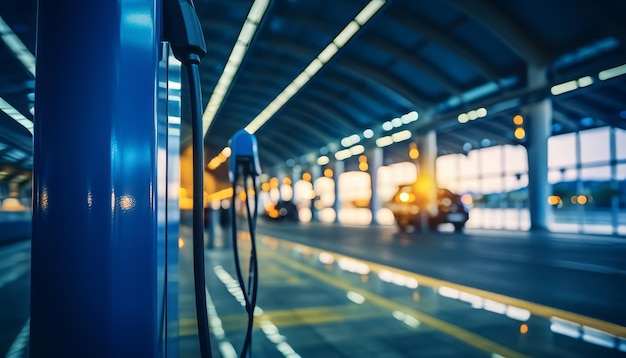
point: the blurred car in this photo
(414, 207)
(283, 210)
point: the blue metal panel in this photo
(173, 211)
(94, 265)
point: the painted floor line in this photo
(449, 329)
(534, 308)
(292, 317)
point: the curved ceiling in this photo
(438, 58)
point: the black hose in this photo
(253, 276)
(249, 293)
(198, 209)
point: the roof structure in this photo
(314, 72)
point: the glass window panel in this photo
(621, 172)
(523, 181)
(447, 171)
(515, 159)
(403, 173)
(602, 173)
(446, 167)
(390, 177)
(303, 193)
(512, 182)
(384, 177)
(469, 165)
(491, 185)
(595, 145)
(562, 150)
(569, 174)
(468, 185)
(554, 176)
(621, 187)
(620, 140)
(491, 160)
(354, 186)
(325, 190)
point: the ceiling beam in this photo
(418, 23)
(359, 69)
(512, 32)
(378, 76)
(406, 55)
(565, 121)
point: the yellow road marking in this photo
(534, 308)
(454, 331)
(286, 318)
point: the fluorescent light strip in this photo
(368, 11)
(585, 81)
(328, 53)
(303, 78)
(384, 141)
(357, 149)
(324, 56)
(346, 34)
(10, 111)
(612, 72)
(564, 87)
(17, 47)
(323, 160)
(234, 61)
(401, 136)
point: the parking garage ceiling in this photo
(442, 60)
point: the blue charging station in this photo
(105, 147)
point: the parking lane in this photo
(487, 321)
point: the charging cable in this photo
(181, 27)
(245, 163)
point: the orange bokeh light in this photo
(523, 329)
(554, 199)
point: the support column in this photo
(375, 161)
(296, 174)
(96, 189)
(339, 168)
(427, 146)
(316, 173)
(282, 174)
(539, 122)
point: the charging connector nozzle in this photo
(244, 154)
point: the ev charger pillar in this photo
(95, 193)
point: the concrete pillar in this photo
(375, 161)
(614, 184)
(282, 174)
(339, 168)
(427, 146)
(539, 121)
(296, 174)
(316, 173)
